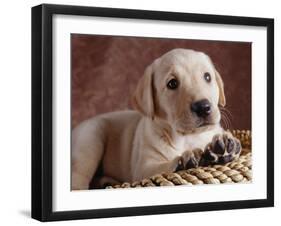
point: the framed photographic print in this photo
(145, 112)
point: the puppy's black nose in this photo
(202, 108)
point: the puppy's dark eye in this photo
(207, 77)
(173, 84)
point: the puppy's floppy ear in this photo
(221, 89)
(143, 96)
(219, 81)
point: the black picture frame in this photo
(42, 106)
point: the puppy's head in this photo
(183, 88)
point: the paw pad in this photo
(223, 149)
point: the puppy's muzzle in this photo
(201, 108)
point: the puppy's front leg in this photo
(222, 149)
(190, 159)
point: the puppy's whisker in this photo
(224, 109)
(226, 117)
(228, 120)
(224, 121)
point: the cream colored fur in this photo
(132, 145)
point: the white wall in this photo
(15, 110)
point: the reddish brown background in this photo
(106, 69)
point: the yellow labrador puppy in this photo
(176, 125)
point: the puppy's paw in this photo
(189, 159)
(224, 148)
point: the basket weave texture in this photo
(238, 171)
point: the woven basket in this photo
(238, 171)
